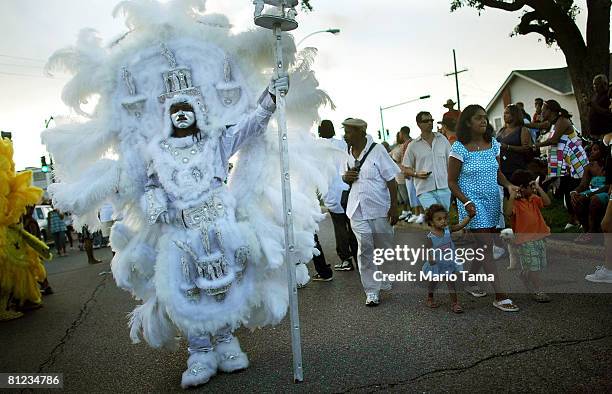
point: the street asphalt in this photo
(400, 346)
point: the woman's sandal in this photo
(431, 303)
(584, 238)
(506, 305)
(456, 308)
(541, 297)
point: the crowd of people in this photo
(487, 180)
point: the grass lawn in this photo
(556, 217)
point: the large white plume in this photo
(104, 157)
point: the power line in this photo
(28, 75)
(21, 65)
(24, 58)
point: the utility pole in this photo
(456, 74)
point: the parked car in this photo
(40, 215)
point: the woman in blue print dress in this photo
(473, 177)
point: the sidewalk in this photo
(554, 242)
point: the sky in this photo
(387, 52)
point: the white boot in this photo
(202, 362)
(201, 366)
(229, 355)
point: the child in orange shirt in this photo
(530, 229)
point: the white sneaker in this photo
(412, 218)
(601, 275)
(404, 215)
(498, 252)
(569, 226)
(420, 219)
(372, 299)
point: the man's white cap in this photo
(355, 122)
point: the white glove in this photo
(281, 83)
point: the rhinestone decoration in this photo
(241, 257)
(219, 235)
(206, 213)
(155, 208)
(209, 269)
(193, 294)
(196, 174)
(230, 356)
(205, 239)
(197, 368)
(182, 154)
(186, 271)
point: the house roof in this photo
(557, 80)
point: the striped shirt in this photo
(369, 197)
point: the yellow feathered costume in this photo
(21, 266)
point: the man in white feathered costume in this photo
(204, 257)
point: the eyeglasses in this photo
(426, 121)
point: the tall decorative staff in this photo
(283, 19)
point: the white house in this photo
(527, 85)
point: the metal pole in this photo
(382, 125)
(457, 81)
(296, 342)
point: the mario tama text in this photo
(421, 254)
(406, 276)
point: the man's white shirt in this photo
(336, 185)
(421, 156)
(369, 197)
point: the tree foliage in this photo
(535, 20)
(555, 21)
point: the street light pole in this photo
(382, 125)
(332, 31)
(382, 121)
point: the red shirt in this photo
(527, 221)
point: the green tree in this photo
(555, 21)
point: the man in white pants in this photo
(372, 203)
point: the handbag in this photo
(358, 163)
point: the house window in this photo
(497, 124)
